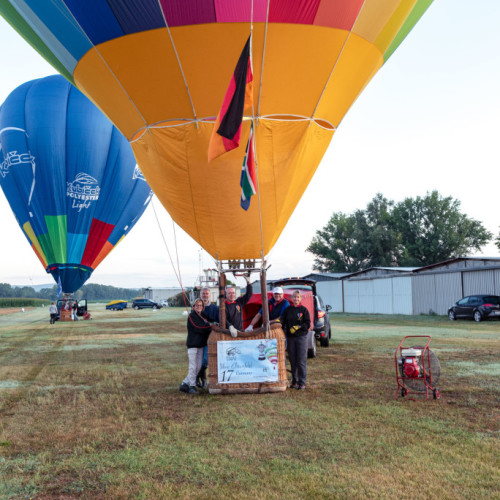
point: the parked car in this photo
(476, 307)
(145, 304)
(321, 315)
(116, 305)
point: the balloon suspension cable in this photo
(176, 271)
(335, 64)
(179, 63)
(263, 57)
(254, 146)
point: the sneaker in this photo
(192, 390)
(184, 387)
(294, 386)
(301, 387)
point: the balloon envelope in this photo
(160, 69)
(70, 177)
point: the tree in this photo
(334, 244)
(432, 229)
(497, 241)
(414, 232)
(376, 239)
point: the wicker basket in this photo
(218, 335)
(65, 315)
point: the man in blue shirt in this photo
(277, 304)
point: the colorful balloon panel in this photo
(70, 177)
(160, 69)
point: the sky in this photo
(428, 120)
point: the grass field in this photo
(92, 410)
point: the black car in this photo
(476, 307)
(145, 304)
(322, 329)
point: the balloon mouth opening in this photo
(179, 122)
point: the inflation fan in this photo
(417, 369)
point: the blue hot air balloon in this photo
(70, 177)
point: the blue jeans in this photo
(205, 357)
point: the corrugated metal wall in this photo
(480, 282)
(435, 293)
(351, 296)
(402, 295)
(331, 293)
(379, 296)
(430, 292)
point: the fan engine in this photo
(417, 369)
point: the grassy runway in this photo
(92, 410)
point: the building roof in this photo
(324, 276)
(374, 271)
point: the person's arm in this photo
(248, 294)
(305, 321)
(255, 320)
(283, 320)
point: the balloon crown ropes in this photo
(70, 177)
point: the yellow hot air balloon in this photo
(160, 69)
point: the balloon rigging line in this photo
(253, 131)
(337, 60)
(188, 121)
(103, 60)
(178, 271)
(165, 243)
(179, 62)
(263, 56)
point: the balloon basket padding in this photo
(65, 316)
(220, 334)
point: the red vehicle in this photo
(255, 303)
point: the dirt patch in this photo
(9, 310)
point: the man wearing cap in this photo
(277, 304)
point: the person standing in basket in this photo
(198, 331)
(234, 307)
(74, 311)
(277, 304)
(296, 322)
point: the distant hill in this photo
(90, 292)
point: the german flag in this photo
(239, 96)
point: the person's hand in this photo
(249, 328)
(233, 331)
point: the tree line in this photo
(89, 292)
(412, 233)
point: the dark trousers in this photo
(297, 354)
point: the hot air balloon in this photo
(160, 69)
(70, 177)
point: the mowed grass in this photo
(92, 410)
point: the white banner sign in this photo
(247, 361)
